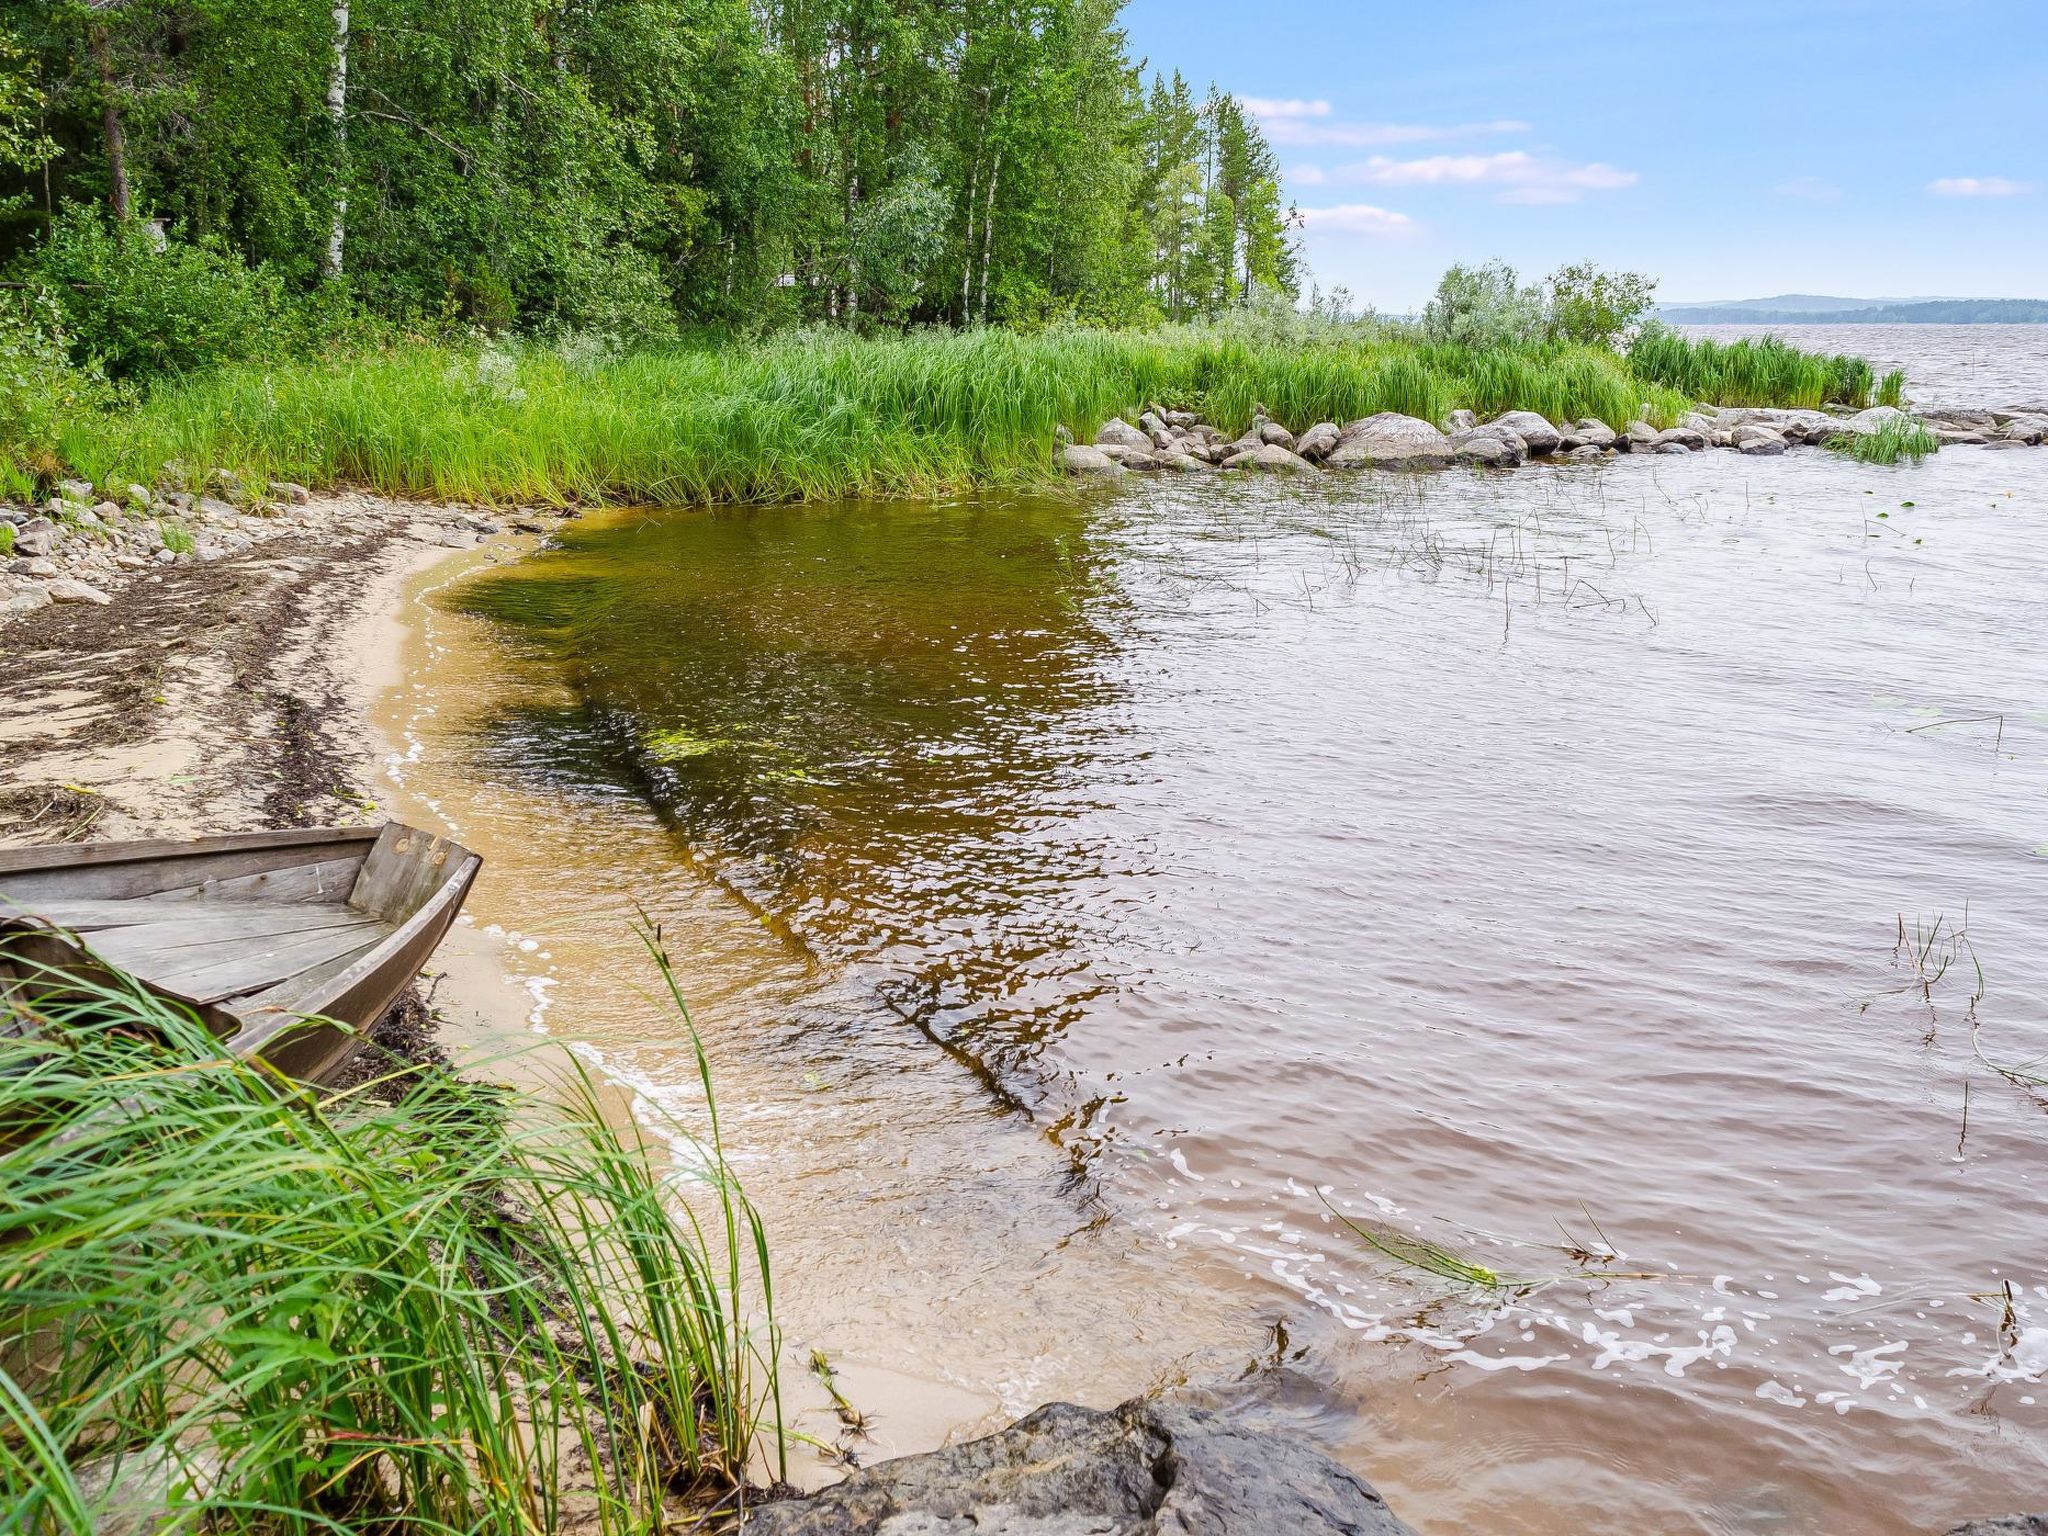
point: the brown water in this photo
(1086, 901)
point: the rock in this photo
(229, 482)
(1959, 437)
(1079, 459)
(1318, 442)
(1183, 420)
(1875, 420)
(1532, 429)
(75, 490)
(212, 507)
(2003, 442)
(1391, 441)
(2008, 1525)
(66, 589)
(455, 538)
(1151, 423)
(474, 523)
(1461, 421)
(1489, 450)
(1589, 453)
(1277, 436)
(1131, 458)
(1689, 439)
(1751, 432)
(1509, 439)
(165, 556)
(1762, 445)
(26, 598)
(139, 497)
(1267, 456)
(1147, 1469)
(1118, 433)
(1185, 463)
(42, 568)
(2025, 429)
(37, 536)
(1672, 448)
(1597, 433)
(130, 562)
(286, 490)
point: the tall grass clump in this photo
(1900, 438)
(420, 1306)
(1757, 371)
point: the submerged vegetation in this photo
(421, 1305)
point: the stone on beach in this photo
(37, 536)
(1489, 450)
(1145, 1469)
(1268, 456)
(1685, 439)
(67, 589)
(1391, 441)
(1319, 441)
(1271, 432)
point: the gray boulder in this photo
(66, 589)
(1761, 444)
(1589, 453)
(1641, 437)
(2030, 430)
(1268, 456)
(1079, 459)
(1118, 433)
(2008, 1525)
(1391, 441)
(1319, 441)
(35, 538)
(1751, 432)
(1131, 458)
(1182, 419)
(26, 598)
(1461, 421)
(1876, 419)
(1540, 435)
(1147, 1469)
(1278, 436)
(1686, 439)
(1594, 432)
(1183, 463)
(1488, 450)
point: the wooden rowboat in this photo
(289, 944)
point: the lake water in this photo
(1957, 365)
(1151, 938)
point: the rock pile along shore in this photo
(1181, 441)
(84, 543)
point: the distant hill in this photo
(1823, 309)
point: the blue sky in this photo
(1730, 149)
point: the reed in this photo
(826, 414)
(1900, 438)
(434, 1307)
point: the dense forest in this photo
(642, 166)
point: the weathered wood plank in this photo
(255, 916)
(239, 874)
(153, 950)
(403, 870)
(211, 978)
(163, 850)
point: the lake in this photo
(1509, 975)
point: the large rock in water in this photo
(1391, 441)
(1146, 1469)
(2009, 1525)
(1079, 459)
(1319, 441)
(1540, 436)
(1271, 456)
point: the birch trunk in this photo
(988, 230)
(337, 114)
(110, 123)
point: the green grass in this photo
(1901, 438)
(433, 1308)
(1758, 372)
(826, 414)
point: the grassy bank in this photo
(420, 1306)
(822, 414)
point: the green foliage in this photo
(40, 390)
(1891, 389)
(424, 1305)
(6, 540)
(1484, 308)
(138, 308)
(177, 537)
(813, 413)
(893, 239)
(23, 144)
(1900, 438)
(1589, 307)
(1752, 371)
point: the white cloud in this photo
(1977, 186)
(1267, 108)
(1811, 188)
(1305, 176)
(1304, 130)
(1523, 177)
(1357, 219)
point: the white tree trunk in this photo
(337, 112)
(988, 230)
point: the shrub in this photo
(138, 306)
(6, 540)
(39, 388)
(1485, 309)
(1593, 308)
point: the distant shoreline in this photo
(1928, 312)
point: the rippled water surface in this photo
(1981, 366)
(1129, 924)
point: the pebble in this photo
(67, 589)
